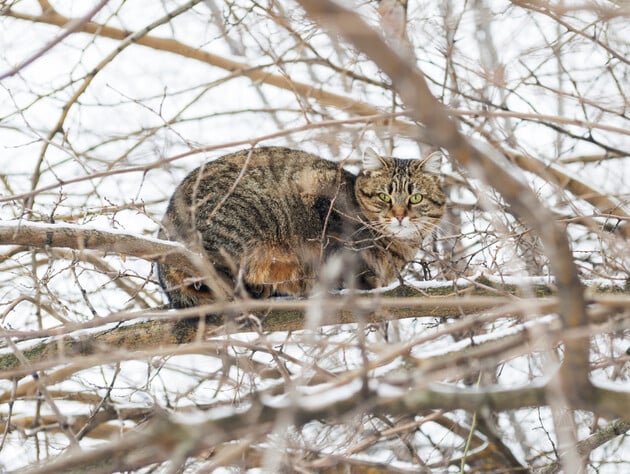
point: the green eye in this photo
(384, 197)
(415, 198)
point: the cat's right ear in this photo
(372, 161)
(431, 164)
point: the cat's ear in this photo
(431, 164)
(372, 161)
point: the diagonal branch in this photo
(71, 27)
(319, 94)
(412, 86)
(127, 41)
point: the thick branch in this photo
(172, 436)
(161, 330)
(82, 238)
(411, 84)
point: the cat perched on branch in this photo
(268, 219)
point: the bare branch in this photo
(44, 236)
(307, 91)
(423, 107)
(70, 28)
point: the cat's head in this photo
(400, 198)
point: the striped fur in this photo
(267, 219)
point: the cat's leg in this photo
(182, 290)
(364, 269)
(271, 269)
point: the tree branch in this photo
(70, 28)
(321, 95)
(44, 236)
(423, 107)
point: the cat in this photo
(268, 219)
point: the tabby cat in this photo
(268, 219)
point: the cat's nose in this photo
(399, 214)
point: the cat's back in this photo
(268, 193)
(273, 172)
(258, 213)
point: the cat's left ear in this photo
(431, 164)
(372, 161)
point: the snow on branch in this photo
(43, 236)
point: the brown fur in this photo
(267, 219)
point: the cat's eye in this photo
(384, 197)
(415, 198)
